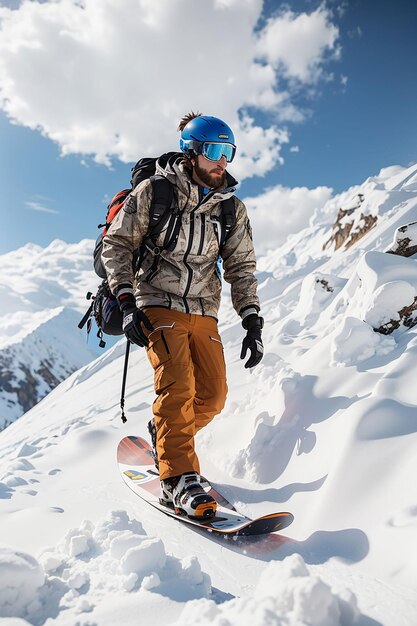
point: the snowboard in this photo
(136, 465)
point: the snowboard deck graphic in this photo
(138, 471)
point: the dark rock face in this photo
(407, 318)
(325, 285)
(350, 226)
(24, 385)
(404, 243)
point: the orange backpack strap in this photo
(114, 207)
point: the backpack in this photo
(104, 309)
(163, 213)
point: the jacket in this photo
(187, 278)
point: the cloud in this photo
(298, 44)
(112, 78)
(281, 211)
(37, 206)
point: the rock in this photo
(405, 240)
(350, 226)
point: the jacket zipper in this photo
(186, 255)
(169, 243)
(190, 245)
(202, 234)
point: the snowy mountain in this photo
(324, 427)
(43, 294)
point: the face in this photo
(208, 173)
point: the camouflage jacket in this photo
(187, 278)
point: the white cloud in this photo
(295, 149)
(111, 78)
(298, 44)
(38, 206)
(282, 211)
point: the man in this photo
(171, 305)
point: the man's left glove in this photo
(133, 318)
(253, 324)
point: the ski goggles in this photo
(215, 151)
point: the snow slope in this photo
(42, 292)
(324, 427)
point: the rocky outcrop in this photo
(404, 244)
(34, 365)
(350, 226)
(407, 317)
(405, 240)
(24, 385)
(325, 284)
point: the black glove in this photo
(133, 318)
(253, 340)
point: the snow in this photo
(21, 577)
(287, 594)
(47, 348)
(324, 427)
(113, 556)
(60, 273)
(356, 341)
(43, 295)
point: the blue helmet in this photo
(208, 130)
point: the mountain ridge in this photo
(40, 345)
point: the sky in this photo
(320, 95)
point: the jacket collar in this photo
(172, 166)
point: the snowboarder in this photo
(171, 304)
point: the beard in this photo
(210, 179)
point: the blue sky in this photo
(358, 117)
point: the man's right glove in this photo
(253, 324)
(133, 318)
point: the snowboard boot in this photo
(152, 433)
(186, 495)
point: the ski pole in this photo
(122, 397)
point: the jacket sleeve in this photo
(125, 235)
(239, 263)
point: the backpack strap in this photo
(162, 200)
(164, 212)
(161, 211)
(145, 167)
(113, 208)
(228, 220)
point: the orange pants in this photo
(186, 353)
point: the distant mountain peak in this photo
(43, 291)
